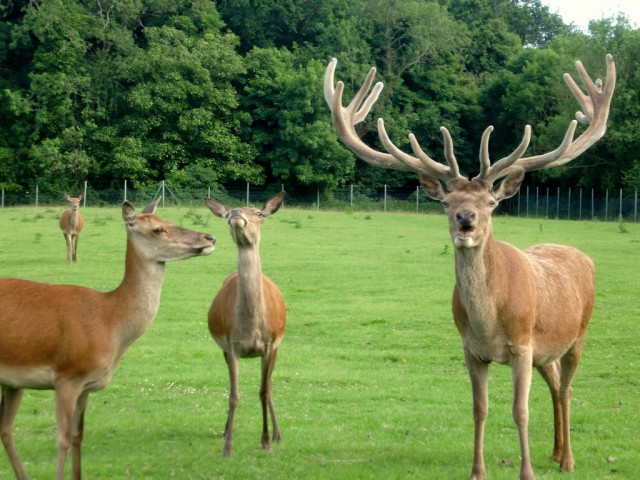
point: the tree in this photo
(291, 126)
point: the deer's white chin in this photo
(460, 241)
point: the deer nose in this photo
(236, 220)
(466, 218)
(211, 238)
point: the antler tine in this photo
(345, 119)
(432, 167)
(428, 165)
(594, 112)
(492, 172)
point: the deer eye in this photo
(445, 204)
(158, 230)
(492, 203)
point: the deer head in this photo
(469, 202)
(74, 202)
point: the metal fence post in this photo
(580, 206)
(547, 202)
(385, 198)
(621, 204)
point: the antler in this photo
(594, 111)
(345, 120)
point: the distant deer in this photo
(71, 224)
(248, 315)
(70, 338)
(522, 308)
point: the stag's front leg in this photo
(521, 370)
(479, 374)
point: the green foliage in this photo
(150, 90)
(290, 124)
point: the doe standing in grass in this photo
(71, 224)
(522, 308)
(70, 338)
(248, 315)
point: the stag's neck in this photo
(477, 279)
(137, 298)
(250, 303)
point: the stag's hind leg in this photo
(9, 406)
(551, 375)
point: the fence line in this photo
(583, 204)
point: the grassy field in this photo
(370, 380)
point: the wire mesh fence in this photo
(535, 202)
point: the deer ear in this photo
(273, 204)
(216, 208)
(509, 186)
(432, 187)
(152, 206)
(128, 213)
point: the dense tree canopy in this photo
(203, 93)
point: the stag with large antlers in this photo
(521, 308)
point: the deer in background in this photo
(248, 315)
(521, 308)
(70, 338)
(71, 224)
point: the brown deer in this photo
(248, 315)
(71, 224)
(521, 308)
(70, 338)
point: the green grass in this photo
(370, 380)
